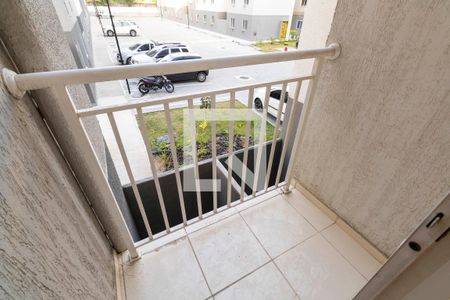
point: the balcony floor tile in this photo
(366, 264)
(312, 213)
(277, 225)
(227, 256)
(316, 270)
(171, 272)
(227, 251)
(265, 283)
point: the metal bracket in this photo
(130, 260)
(286, 190)
(337, 51)
(9, 82)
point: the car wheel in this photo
(129, 61)
(258, 104)
(201, 76)
(109, 33)
(133, 32)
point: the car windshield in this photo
(152, 53)
(134, 47)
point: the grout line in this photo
(199, 265)
(304, 217)
(272, 260)
(325, 228)
(123, 278)
(351, 264)
(213, 223)
(240, 278)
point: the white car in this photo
(274, 101)
(123, 27)
(158, 53)
(141, 47)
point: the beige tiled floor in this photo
(280, 248)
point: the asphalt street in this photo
(205, 43)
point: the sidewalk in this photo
(111, 92)
(123, 11)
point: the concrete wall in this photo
(51, 245)
(377, 142)
(36, 41)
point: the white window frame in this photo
(246, 2)
(232, 23)
(213, 19)
(205, 17)
(244, 22)
(197, 18)
(233, 2)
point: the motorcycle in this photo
(146, 84)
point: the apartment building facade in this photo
(244, 19)
(298, 14)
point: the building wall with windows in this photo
(245, 19)
(298, 14)
(75, 22)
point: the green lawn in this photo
(156, 126)
(273, 46)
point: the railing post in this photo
(108, 210)
(299, 133)
(310, 92)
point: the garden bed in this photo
(157, 133)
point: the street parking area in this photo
(206, 44)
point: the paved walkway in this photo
(109, 93)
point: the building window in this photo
(299, 24)
(244, 25)
(197, 17)
(233, 2)
(246, 2)
(212, 20)
(204, 18)
(304, 2)
(212, 1)
(232, 23)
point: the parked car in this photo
(274, 101)
(123, 27)
(141, 47)
(199, 76)
(158, 53)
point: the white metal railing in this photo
(17, 84)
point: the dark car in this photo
(199, 75)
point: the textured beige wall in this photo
(51, 246)
(32, 33)
(377, 143)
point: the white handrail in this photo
(17, 84)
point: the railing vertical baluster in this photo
(230, 147)
(195, 157)
(317, 68)
(275, 133)
(144, 133)
(251, 92)
(214, 150)
(288, 132)
(119, 142)
(262, 138)
(173, 151)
